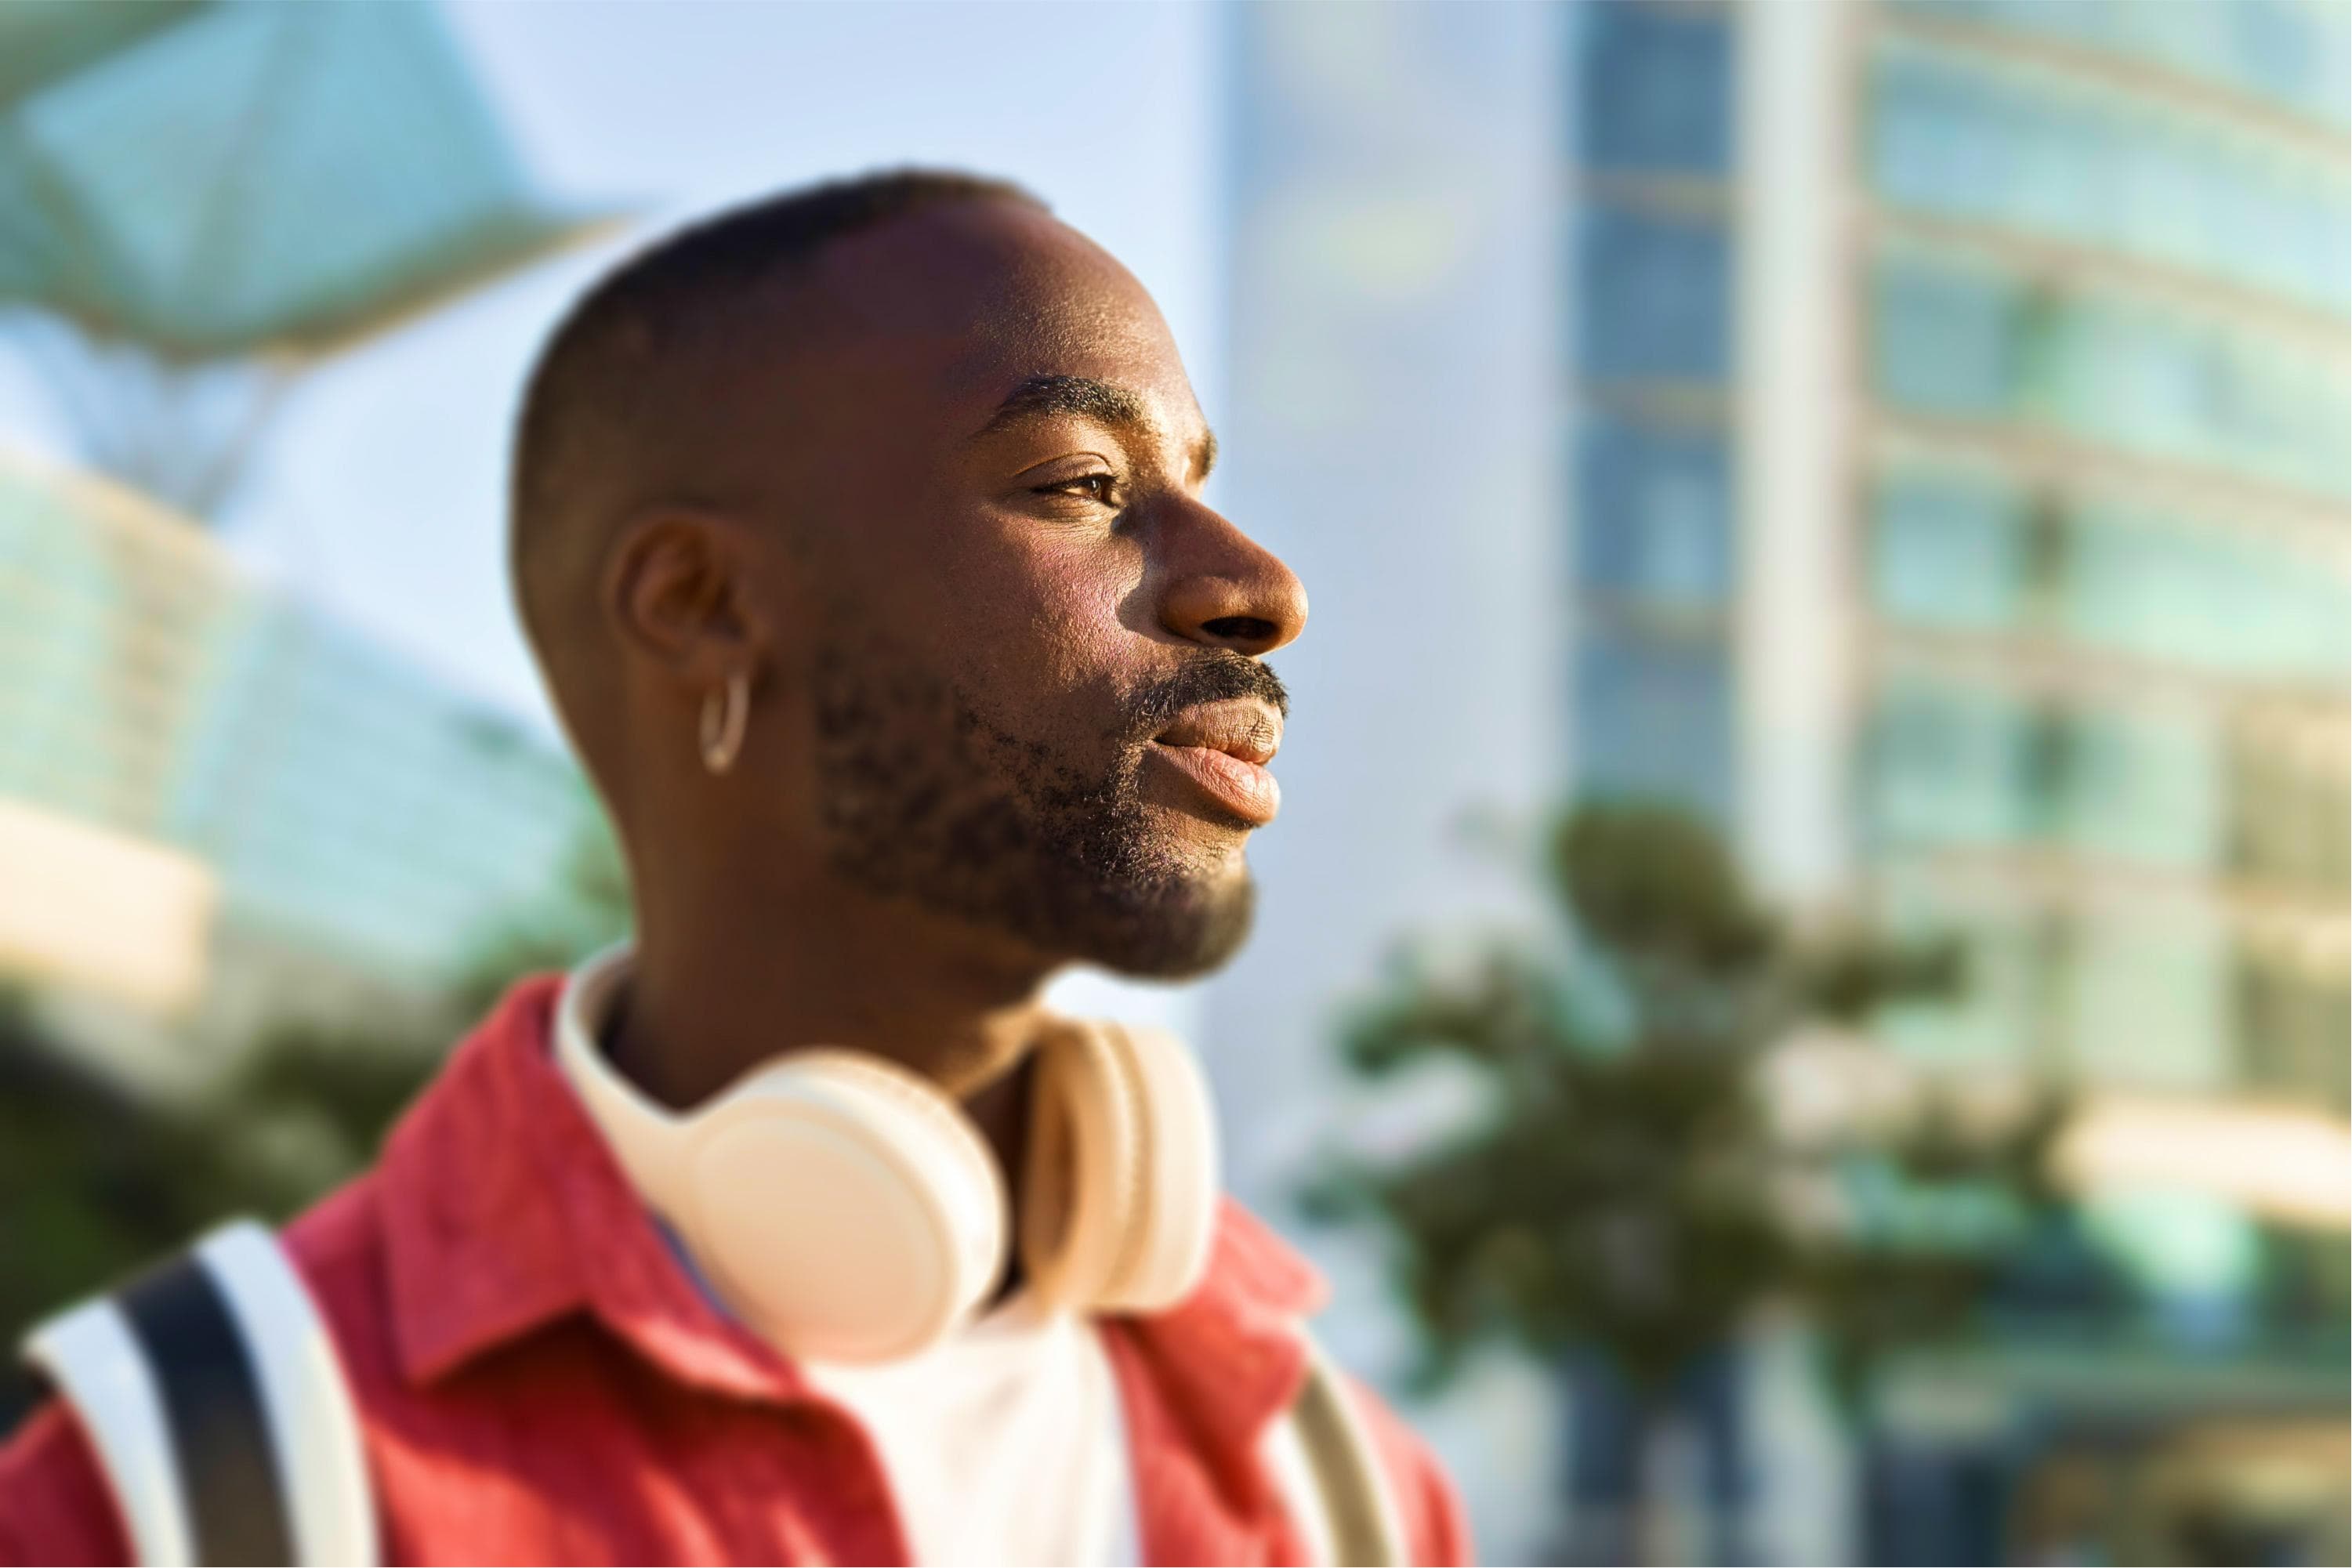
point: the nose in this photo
(1225, 589)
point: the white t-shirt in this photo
(1004, 1443)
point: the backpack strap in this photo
(1350, 1498)
(211, 1392)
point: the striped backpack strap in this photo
(1350, 1518)
(213, 1398)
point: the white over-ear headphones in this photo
(849, 1211)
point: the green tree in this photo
(91, 1179)
(1625, 1188)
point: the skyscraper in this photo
(1912, 432)
(1961, 489)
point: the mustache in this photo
(1218, 675)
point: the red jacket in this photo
(540, 1382)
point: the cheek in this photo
(1035, 617)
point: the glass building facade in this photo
(1655, 258)
(2096, 475)
(2101, 520)
(353, 812)
(2083, 287)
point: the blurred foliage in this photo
(1625, 1186)
(2005, 1229)
(97, 1181)
(92, 1180)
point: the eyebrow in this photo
(1087, 398)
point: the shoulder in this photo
(337, 1247)
(1434, 1524)
(56, 1505)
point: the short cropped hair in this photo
(588, 393)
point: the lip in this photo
(1245, 790)
(1240, 727)
(1224, 748)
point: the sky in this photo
(380, 492)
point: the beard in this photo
(927, 794)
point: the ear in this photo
(678, 588)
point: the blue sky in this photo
(379, 494)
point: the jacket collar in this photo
(503, 1210)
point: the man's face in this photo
(1029, 652)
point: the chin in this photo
(1174, 931)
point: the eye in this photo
(1093, 486)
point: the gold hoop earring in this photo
(724, 715)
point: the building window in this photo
(1947, 764)
(2148, 998)
(1654, 514)
(2198, 595)
(1948, 339)
(2033, 151)
(2290, 1033)
(2146, 788)
(1967, 340)
(1949, 551)
(1951, 763)
(1956, 547)
(1653, 718)
(2294, 51)
(1656, 296)
(2002, 1016)
(1656, 88)
(2290, 817)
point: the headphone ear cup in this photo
(1176, 1217)
(1119, 1201)
(1081, 1181)
(845, 1206)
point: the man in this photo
(859, 536)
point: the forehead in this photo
(948, 311)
